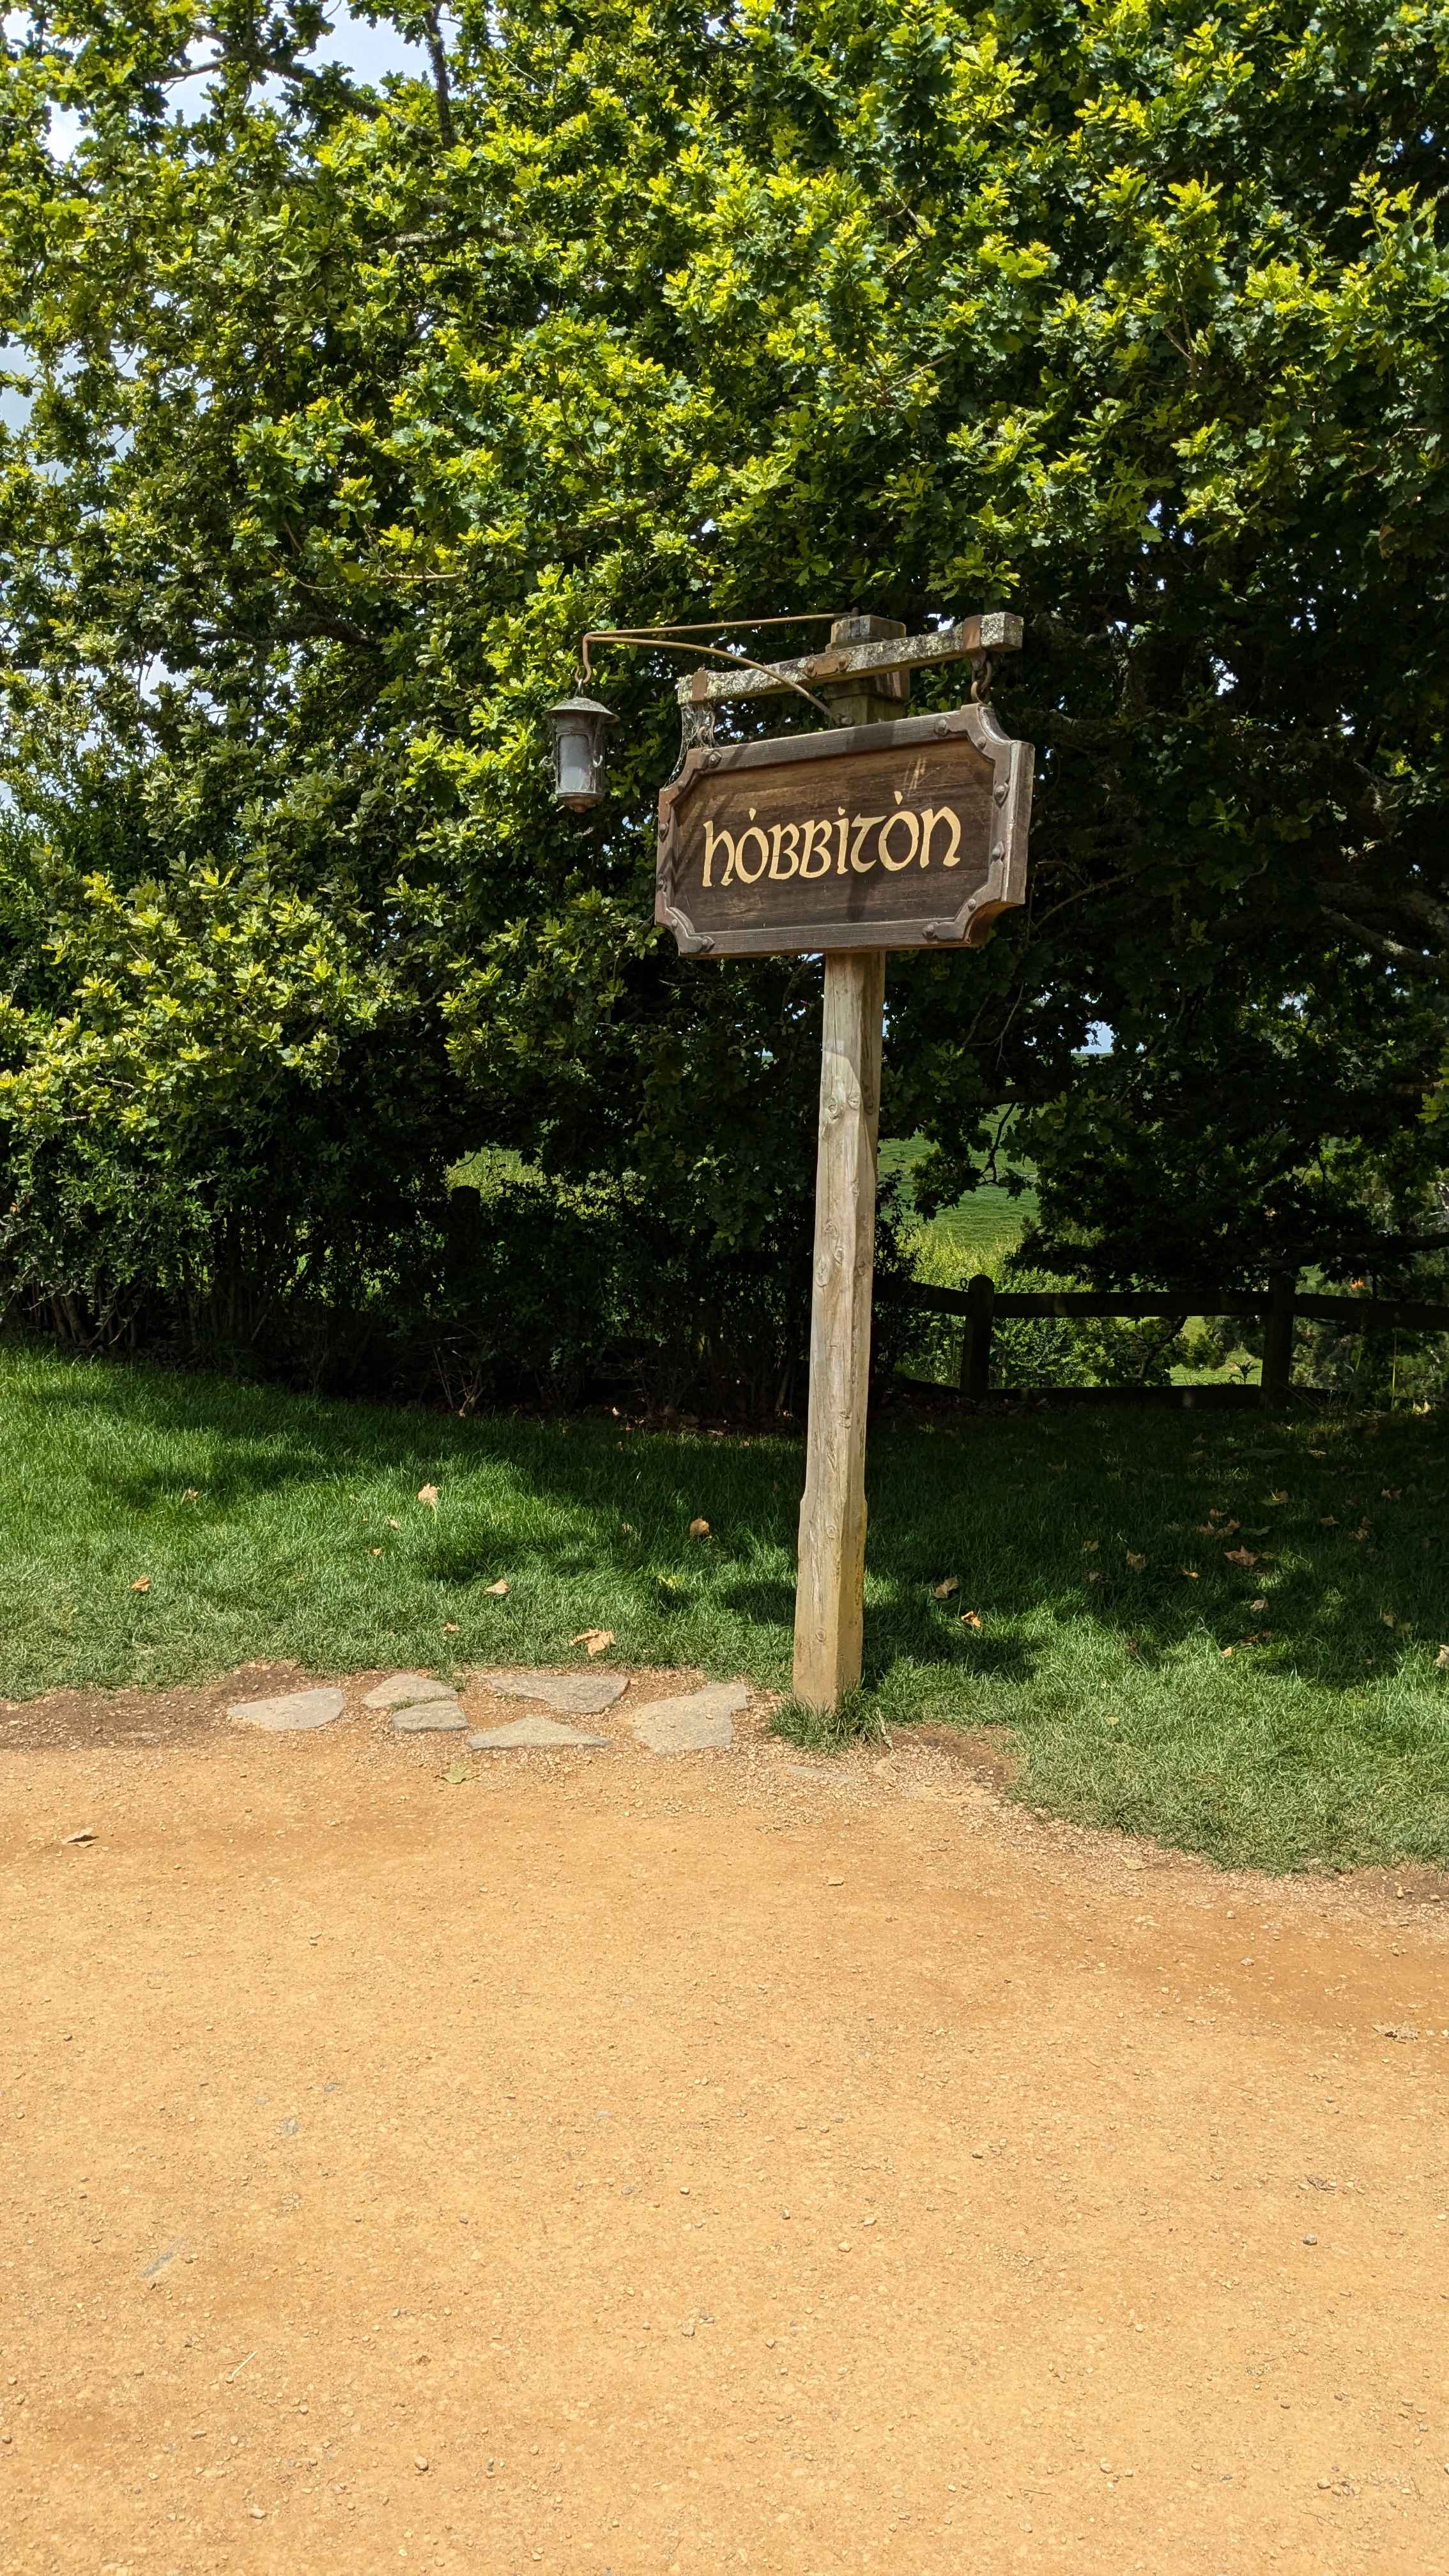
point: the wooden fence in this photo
(980, 1302)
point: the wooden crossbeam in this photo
(996, 632)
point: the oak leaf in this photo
(142, 1583)
(943, 1591)
(428, 1494)
(971, 1619)
(595, 1640)
(1137, 1563)
(498, 1590)
(1240, 1556)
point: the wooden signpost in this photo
(886, 831)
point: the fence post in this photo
(1278, 1337)
(976, 1342)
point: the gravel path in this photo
(615, 2161)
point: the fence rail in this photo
(980, 1302)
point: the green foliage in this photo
(350, 409)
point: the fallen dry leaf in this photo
(1094, 1576)
(456, 1776)
(699, 1529)
(450, 1627)
(1328, 1520)
(971, 1619)
(1277, 1498)
(142, 1583)
(428, 1494)
(374, 1551)
(595, 1639)
(1216, 1528)
(86, 1835)
(1390, 1493)
(1090, 1546)
(1137, 1563)
(1441, 1660)
(943, 1591)
(1388, 1618)
(1240, 1556)
(392, 1524)
(1259, 1604)
(191, 1495)
(1227, 1650)
(1190, 1571)
(498, 1590)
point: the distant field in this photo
(977, 1233)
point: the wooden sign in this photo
(904, 835)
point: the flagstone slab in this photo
(290, 1712)
(571, 1694)
(699, 1721)
(525, 1731)
(430, 1717)
(401, 1689)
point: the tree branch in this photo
(437, 56)
(1412, 960)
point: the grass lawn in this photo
(273, 1526)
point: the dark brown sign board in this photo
(905, 835)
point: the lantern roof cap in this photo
(578, 705)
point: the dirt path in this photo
(615, 2163)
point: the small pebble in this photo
(419, 2463)
(1310, 2240)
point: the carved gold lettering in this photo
(714, 840)
(933, 815)
(817, 837)
(751, 832)
(786, 838)
(903, 815)
(863, 823)
(842, 835)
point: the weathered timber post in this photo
(976, 1344)
(1278, 1338)
(830, 1591)
(830, 1594)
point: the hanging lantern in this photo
(578, 752)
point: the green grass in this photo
(1325, 1741)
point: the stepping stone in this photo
(572, 1694)
(696, 1722)
(429, 1717)
(400, 1690)
(532, 1730)
(290, 1712)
